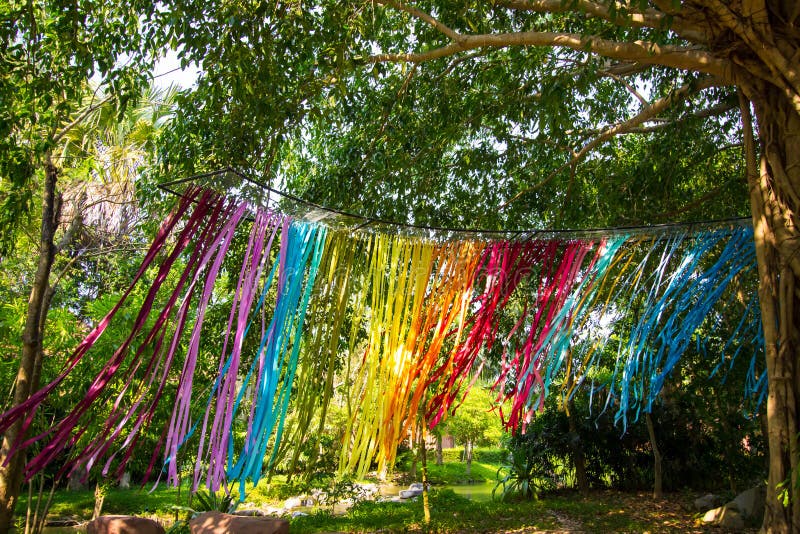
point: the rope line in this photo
(366, 221)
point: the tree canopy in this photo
(517, 114)
(483, 134)
(513, 114)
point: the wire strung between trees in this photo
(314, 212)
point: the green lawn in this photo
(602, 511)
(449, 513)
(79, 504)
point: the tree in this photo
(467, 100)
(49, 50)
(751, 45)
(471, 422)
(98, 161)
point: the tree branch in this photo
(649, 18)
(651, 111)
(82, 115)
(625, 68)
(631, 89)
(713, 111)
(783, 71)
(643, 52)
(421, 15)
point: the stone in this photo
(219, 523)
(249, 512)
(409, 493)
(713, 515)
(123, 524)
(730, 519)
(125, 481)
(368, 490)
(750, 503)
(707, 502)
(727, 517)
(293, 502)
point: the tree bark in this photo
(11, 468)
(468, 457)
(439, 452)
(774, 182)
(658, 492)
(578, 457)
(423, 453)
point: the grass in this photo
(456, 473)
(601, 511)
(80, 503)
(449, 513)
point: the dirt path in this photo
(568, 524)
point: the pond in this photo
(481, 492)
(476, 492)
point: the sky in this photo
(168, 72)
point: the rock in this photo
(62, 522)
(707, 502)
(727, 517)
(219, 523)
(250, 512)
(750, 503)
(414, 490)
(122, 524)
(731, 520)
(368, 490)
(298, 514)
(75, 484)
(293, 502)
(125, 481)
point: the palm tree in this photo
(98, 156)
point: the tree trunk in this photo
(439, 452)
(99, 499)
(658, 492)
(28, 373)
(578, 457)
(423, 453)
(468, 457)
(774, 183)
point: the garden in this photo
(400, 266)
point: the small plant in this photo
(344, 488)
(206, 501)
(517, 478)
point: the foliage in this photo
(474, 422)
(453, 140)
(487, 455)
(49, 50)
(703, 448)
(531, 467)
